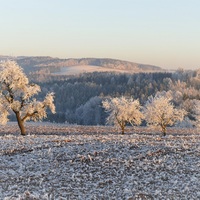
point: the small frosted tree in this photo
(160, 112)
(17, 95)
(123, 111)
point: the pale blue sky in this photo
(159, 32)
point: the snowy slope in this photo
(74, 70)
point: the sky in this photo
(165, 33)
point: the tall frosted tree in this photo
(17, 95)
(160, 112)
(123, 111)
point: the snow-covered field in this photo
(78, 69)
(83, 162)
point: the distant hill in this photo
(71, 66)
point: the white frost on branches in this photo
(160, 112)
(16, 94)
(123, 111)
(196, 112)
(180, 91)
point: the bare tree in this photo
(160, 112)
(123, 111)
(17, 95)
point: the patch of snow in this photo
(78, 69)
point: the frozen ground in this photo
(76, 162)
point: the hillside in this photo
(75, 66)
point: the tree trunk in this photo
(123, 130)
(164, 130)
(20, 124)
(122, 125)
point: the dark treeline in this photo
(78, 99)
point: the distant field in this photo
(74, 70)
(56, 161)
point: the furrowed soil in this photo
(58, 161)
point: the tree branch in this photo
(22, 102)
(29, 115)
(32, 114)
(7, 99)
(10, 93)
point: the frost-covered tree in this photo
(17, 95)
(160, 112)
(182, 91)
(90, 113)
(196, 112)
(123, 111)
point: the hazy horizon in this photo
(161, 33)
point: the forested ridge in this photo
(78, 99)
